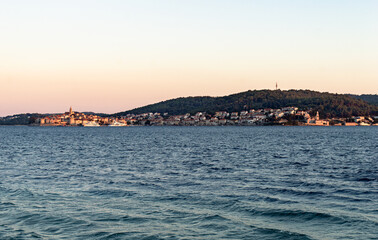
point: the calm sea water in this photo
(189, 183)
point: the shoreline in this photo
(268, 125)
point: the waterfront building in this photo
(316, 121)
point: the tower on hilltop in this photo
(71, 112)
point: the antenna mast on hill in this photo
(276, 86)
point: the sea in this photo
(269, 182)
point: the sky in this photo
(115, 55)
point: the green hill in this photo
(370, 98)
(328, 104)
(20, 119)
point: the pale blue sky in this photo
(109, 56)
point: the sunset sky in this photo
(115, 55)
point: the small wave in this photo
(221, 169)
(356, 192)
(365, 179)
(108, 235)
(298, 192)
(133, 219)
(100, 234)
(292, 215)
(304, 215)
(6, 205)
(119, 235)
(22, 192)
(300, 164)
(272, 233)
(278, 200)
(17, 233)
(214, 217)
(215, 227)
(40, 219)
(351, 198)
(152, 237)
(111, 193)
(122, 218)
(187, 184)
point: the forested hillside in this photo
(328, 104)
(369, 98)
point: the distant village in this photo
(283, 116)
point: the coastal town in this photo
(283, 116)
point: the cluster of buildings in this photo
(283, 116)
(72, 118)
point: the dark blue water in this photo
(189, 183)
